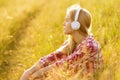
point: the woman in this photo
(74, 50)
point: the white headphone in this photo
(75, 24)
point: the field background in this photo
(30, 29)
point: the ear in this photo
(75, 25)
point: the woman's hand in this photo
(28, 75)
(41, 72)
(30, 71)
(37, 74)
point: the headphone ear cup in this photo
(75, 25)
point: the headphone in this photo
(75, 24)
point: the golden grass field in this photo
(30, 29)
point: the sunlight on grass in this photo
(31, 29)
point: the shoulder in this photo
(92, 44)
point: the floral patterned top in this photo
(76, 58)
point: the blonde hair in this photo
(85, 26)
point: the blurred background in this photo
(30, 29)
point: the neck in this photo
(78, 37)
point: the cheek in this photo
(67, 24)
(68, 28)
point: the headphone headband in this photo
(77, 13)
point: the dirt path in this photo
(17, 32)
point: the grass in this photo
(31, 29)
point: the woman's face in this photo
(67, 25)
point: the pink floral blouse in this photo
(95, 55)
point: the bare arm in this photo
(39, 73)
(46, 60)
(43, 62)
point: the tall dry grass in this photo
(30, 29)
